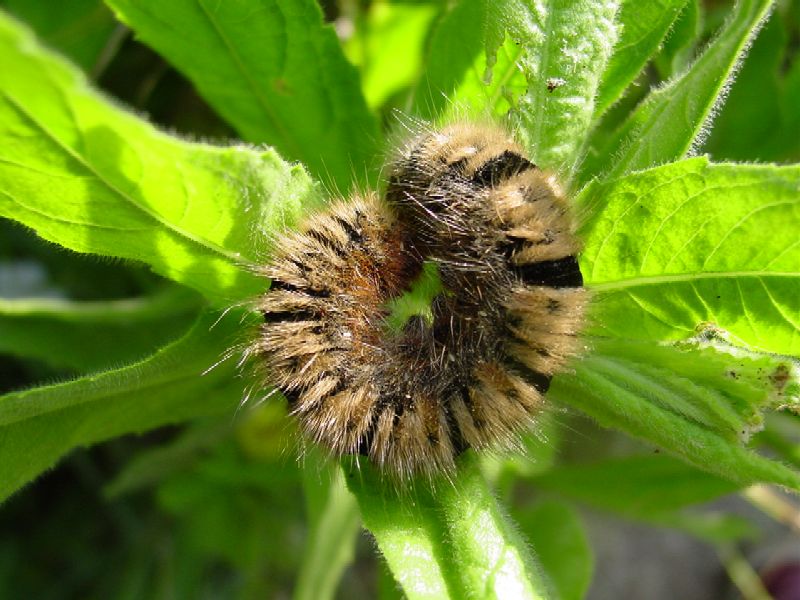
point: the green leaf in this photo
(87, 175)
(687, 402)
(565, 48)
(450, 541)
(635, 486)
(40, 425)
(691, 244)
(273, 70)
(675, 117)
(333, 529)
(559, 540)
(81, 29)
(89, 335)
(388, 47)
(644, 25)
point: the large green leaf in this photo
(90, 335)
(85, 174)
(447, 541)
(699, 404)
(273, 70)
(565, 48)
(38, 426)
(696, 244)
(644, 26)
(673, 118)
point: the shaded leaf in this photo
(679, 47)
(38, 426)
(751, 125)
(90, 335)
(153, 465)
(559, 540)
(636, 486)
(81, 29)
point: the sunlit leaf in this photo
(694, 244)
(452, 540)
(86, 174)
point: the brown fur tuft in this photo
(500, 232)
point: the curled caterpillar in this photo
(473, 374)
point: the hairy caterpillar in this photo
(472, 375)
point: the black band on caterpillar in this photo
(474, 374)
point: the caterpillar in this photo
(471, 375)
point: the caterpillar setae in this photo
(508, 318)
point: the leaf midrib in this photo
(234, 257)
(630, 282)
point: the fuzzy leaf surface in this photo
(273, 70)
(565, 48)
(700, 404)
(675, 117)
(40, 425)
(644, 25)
(449, 542)
(695, 244)
(87, 175)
